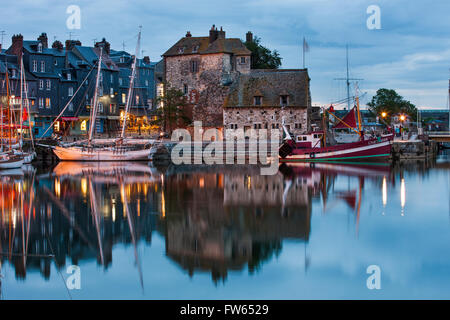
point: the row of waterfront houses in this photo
(54, 79)
(214, 72)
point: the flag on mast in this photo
(305, 49)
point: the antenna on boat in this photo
(348, 79)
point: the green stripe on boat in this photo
(332, 159)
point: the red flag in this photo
(331, 108)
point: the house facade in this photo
(264, 99)
(63, 78)
(142, 102)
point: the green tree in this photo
(172, 111)
(262, 58)
(390, 102)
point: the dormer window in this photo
(181, 50)
(69, 76)
(13, 73)
(122, 59)
(242, 60)
(257, 100)
(195, 49)
(39, 48)
(284, 100)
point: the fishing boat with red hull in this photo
(313, 146)
(375, 149)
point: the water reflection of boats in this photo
(107, 172)
(349, 169)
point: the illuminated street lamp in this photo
(402, 117)
(384, 114)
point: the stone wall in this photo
(266, 118)
(207, 87)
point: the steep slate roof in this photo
(220, 45)
(270, 84)
(31, 46)
(91, 56)
(128, 59)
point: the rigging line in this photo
(67, 105)
(29, 114)
(56, 263)
(88, 89)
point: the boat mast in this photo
(94, 109)
(9, 108)
(21, 106)
(27, 104)
(130, 89)
(1, 125)
(347, 80)
(357, 109)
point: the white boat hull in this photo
(11, 163)
(84, 154)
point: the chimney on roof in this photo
(57, 45)
(213, 34)
(70, 44)
(43, 39)
(221, 34)
(147, 59)
(105, 44)
(188, 34)
(16, 46)
(249, 37)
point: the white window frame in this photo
(35, 66)
(70, 92)
(42, 66)
(41, 84)
(48, 84)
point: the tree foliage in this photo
(261, 57)
(389, 101)
(172, 110)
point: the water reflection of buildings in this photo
(222, 222)
(213, 220)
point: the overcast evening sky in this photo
(410, 53)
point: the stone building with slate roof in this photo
(214, 73)
(261, 99)
(204, 68)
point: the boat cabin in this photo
(310, 140)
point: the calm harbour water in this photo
(309, 232)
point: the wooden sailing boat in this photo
(120, 150)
